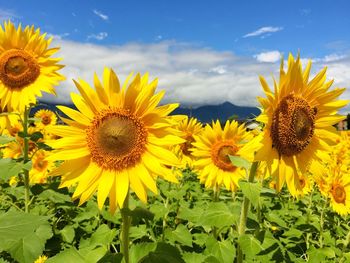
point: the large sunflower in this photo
(26, 66)
(298, 117)
(212, 149)
(118, 137)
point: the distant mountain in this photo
(222, 112)
(204, 114)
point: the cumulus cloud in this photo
(262, 31)
(100, 14)
(99, 36)
(269, 57)
(191, 75)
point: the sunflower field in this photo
(119, 178)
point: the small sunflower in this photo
(15, 148)
(40, 167)
(45, 117)
(212, 149)
(298, 117)
(41, 259)
(339, 190)
(189, 127)
(119, 138)
(26, 66)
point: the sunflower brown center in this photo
(117, 139)
(292, 125)
(186, 146)
(18, 68)
(46, 120)
(40, 164)
(220, 155)
(339, 194)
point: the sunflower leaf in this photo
(239, 162)
(9, 168)
(251, 191)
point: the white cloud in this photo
(99, 36)
(270, 56)
(190, 75)
(59, 36)
(262, 31)
(100, 14)
(333, 57)
(6, 14)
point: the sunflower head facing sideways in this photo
(212, 149)
(189, 127)
(26, 66)
(298, 116)
(117, 139)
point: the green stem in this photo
(308, 215)
(124, 235)
(244, 212)
(321, 224)
(26, 159)
(216, 193)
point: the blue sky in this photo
(193, 40)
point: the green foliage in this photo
(10, 167)
(180, 224)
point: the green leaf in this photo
(250, 245)
(138, 251)
(36, 136)
(4, 139)
(29, 248)
(9, 168)
(273, 217)
(102, 236)
(190, 214)
(239, 162)
(68, 234)
(320, 254)
(224, 251)
(137, 232)
(55, 196)
(69, 255)
(112, 258)
(140, 213)
(164, 253)
(180, 234)
(218, 215)
(16, 225)
(193, 257)
(251, 191)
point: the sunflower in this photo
(298, 118)
(189, 127)
(41, 259)
(26, 66)
(41, 167)
(14, 149)
(119, 138)
(339, 189)
(212, 149)
(45, 118)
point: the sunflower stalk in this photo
(244, 212)
(124, 235)
(26, 159)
